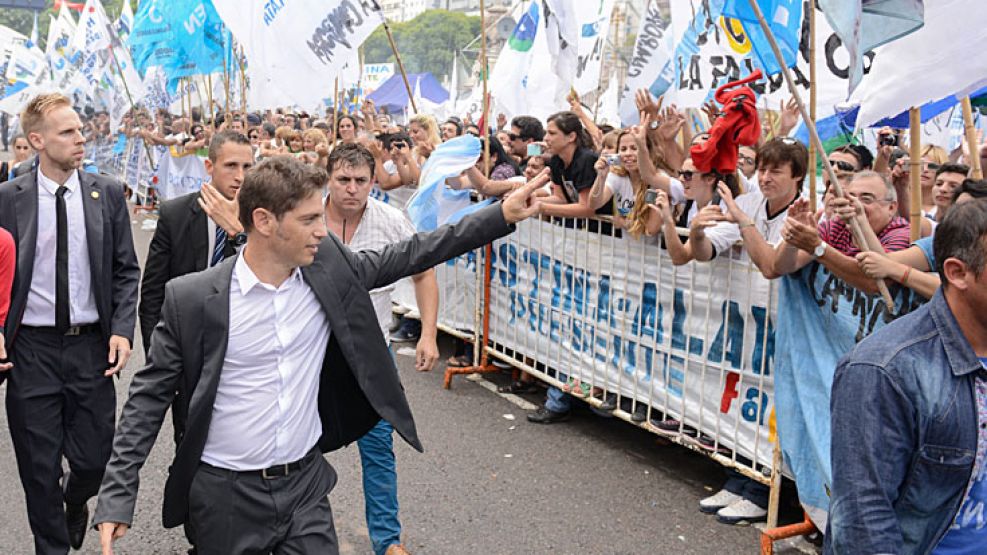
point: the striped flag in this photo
(434, 203)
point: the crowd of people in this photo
(909, 403)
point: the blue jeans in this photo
(557, 401)
(380, 486)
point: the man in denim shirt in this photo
(909, 416)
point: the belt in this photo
(276, 471)
(72, 330)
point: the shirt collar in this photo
(962, 359)
(72, 183)
(247, 279)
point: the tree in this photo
(426, 43)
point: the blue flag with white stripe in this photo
(435, 203)
(784, 18)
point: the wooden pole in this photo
(855, 229)
(209, 93)
(335, 113)
(243, 82)
(404, 74)
(915, 170)
(812, 103)
(486, 96)
(226, 83)
(976, 171)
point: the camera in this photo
(613, 159)
(650, 196)
(888, 139)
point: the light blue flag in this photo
(820, 319)
(702, 25)
(863, 25)
(436, 204)
(784, 17)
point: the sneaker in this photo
(545, 416)
(710, 444)
(674, 427)
(741, 512)
(717, 501)
(406, 333)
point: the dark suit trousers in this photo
(59, 404)
(240, 513)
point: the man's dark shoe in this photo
(545, 416)
(77, 522)
(640, 413)
(609, 402)
(407, 332)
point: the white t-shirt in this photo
(380, 226)
(399, 196)
(725, 234)
(622, 190)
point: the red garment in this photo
(737, 125)
(8, 262)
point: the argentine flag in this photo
(434, 203)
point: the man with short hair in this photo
(450, 129)
(71, 321)
(831, 243)
(948, 179)
(909, 415)
(524, 131)
(364, 223)
(282, 355)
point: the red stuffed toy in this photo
(737, 125)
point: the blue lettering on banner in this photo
(574, 311)
(271, 9)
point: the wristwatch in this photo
(820, 249)
(237, 240)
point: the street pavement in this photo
(489, 481)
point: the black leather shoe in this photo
(77, 522)
(545, 416)
(609, 402)
(640, 413)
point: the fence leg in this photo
(479, 337)
(771, 535)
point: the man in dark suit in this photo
(194, 232)
(71, 321)
(284, 359)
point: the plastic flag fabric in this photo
(434, 203)
(784, 18)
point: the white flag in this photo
(919, 62)
(650, 65)
(93, 31)
(594, 24)
(296, 49)
(562, 34)
(27, 65)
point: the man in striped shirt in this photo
(364, 223)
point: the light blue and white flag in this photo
(125, 22)
(784, 18)
(436, 204)
(863, 25)
(651, 63)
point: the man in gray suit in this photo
(283, 358)
(71, 321)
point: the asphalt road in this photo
(489, 482)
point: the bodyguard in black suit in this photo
(71, 322)
(248, 475)
(194, 231)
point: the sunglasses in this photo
(687, 175)
(513, 137)
(844, 166)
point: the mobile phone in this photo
(650, 196)
(888, 139)
(534, 149)
(715, 201)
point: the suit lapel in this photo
(215, 335)
(26, 202)
(198, 235)
(92, 207)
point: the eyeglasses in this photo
(747, 160)
(686, 175)
(931, 166)
(844, 166)
(867, 199)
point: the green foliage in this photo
(426, 43)
(22, 20)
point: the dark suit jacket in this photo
(180, 246)
(359, 383)
(113, 263)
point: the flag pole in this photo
(226, 81)
(812, 104)
(397, 56)
(915, 171)
(335, 112)
(855, 229)
(486, 97)
(243, 82)
(976, 169)
(209, 94)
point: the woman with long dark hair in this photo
(572, 166)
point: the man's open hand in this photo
(522, 203)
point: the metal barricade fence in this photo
(691, 345)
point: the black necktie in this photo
(61, 262)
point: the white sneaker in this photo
(717, 501)
(742, 511)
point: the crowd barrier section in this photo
(574, 299)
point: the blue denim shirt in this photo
(904, 425)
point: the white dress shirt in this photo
(40, 309)
(381, 225)
(266, 410)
